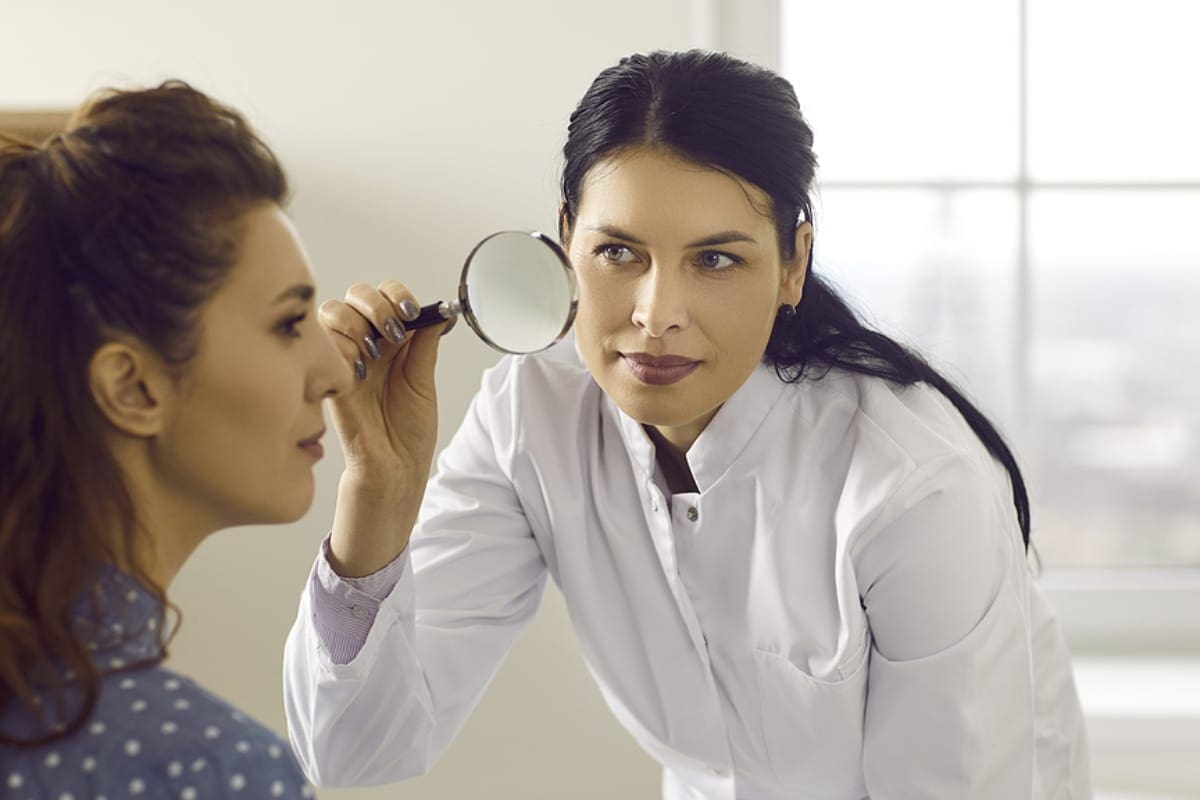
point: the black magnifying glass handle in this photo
(433, 314)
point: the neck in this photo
(168, 528)
(673, 462)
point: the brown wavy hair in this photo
(122, 226)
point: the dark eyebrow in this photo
(724, 237)
(301, 291)
(616, 233)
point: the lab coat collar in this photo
(725, 437)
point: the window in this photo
(1011, 186)
(1014, 188)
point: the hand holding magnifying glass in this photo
(518, 293)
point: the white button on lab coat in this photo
(843, 610)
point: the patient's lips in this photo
(661, 370)
(312, 445)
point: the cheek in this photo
(252, 393)
(740, 322)
(602, 304)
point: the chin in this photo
(659, 412)
(299, 509)
(289, 508)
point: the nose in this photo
(660, 306)
(330, 375)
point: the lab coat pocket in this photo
(813, 727)
(958, 722)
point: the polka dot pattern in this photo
(152, 734)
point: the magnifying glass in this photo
(517, 291)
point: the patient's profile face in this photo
(237, 443)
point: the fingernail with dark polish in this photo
(372, 347)
(360, 369)
(409, 310)
(394, 330)
(450, 325)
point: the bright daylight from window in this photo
(1049, 261)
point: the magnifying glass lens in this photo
(518, 292)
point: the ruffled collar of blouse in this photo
(119, 620)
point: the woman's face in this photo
(239, 441)
(680, 280)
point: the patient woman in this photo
(163, 376)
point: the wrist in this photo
(375, 489)
(372, 523)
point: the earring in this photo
(787, 313)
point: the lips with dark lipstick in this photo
(659, 370)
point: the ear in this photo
(795, 270)
(564, 225)
(129, 386)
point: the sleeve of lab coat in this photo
(944, 582)
(474, 580)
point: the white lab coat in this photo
(843, 610)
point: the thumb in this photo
(423, 352)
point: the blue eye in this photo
(289, 327)
(716, 260)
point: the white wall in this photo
(410, 130)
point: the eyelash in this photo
(288, 326)
(735, 261)
(602, 251)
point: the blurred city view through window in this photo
(1014, 188)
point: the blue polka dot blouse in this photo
(153, 734)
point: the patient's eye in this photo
(290, 327)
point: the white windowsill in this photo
(1143, 718)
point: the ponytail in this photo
(825, 333)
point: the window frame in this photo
(1104, 612)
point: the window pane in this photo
(890, 95)
(1112, 89)
(933, 269)
(1116, 350)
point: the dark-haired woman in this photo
(163, 376)
(794, 555)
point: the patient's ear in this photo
(129, 385)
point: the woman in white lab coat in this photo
(793, 554)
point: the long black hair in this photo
(716, 110)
